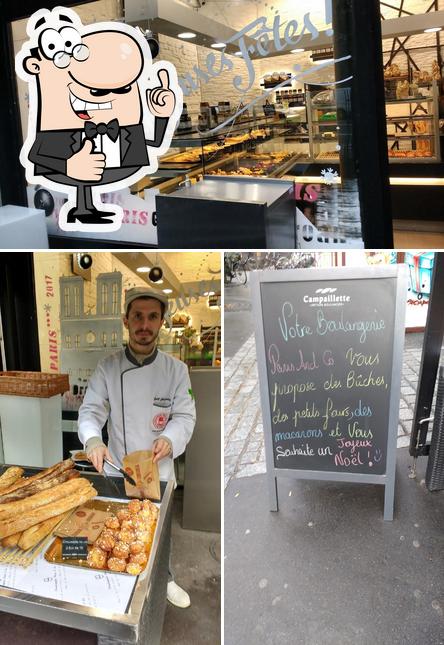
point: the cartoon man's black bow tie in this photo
(112, 129)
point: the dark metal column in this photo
(18, 311)
(431, 353)
(357, 31)
(12, 175)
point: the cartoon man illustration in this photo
(94, 93)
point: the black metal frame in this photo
(358, 33)
(12, 176)
(431, 353)
(19, 311)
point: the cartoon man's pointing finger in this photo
(90, 103)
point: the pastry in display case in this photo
(205, 153)
(412, 122)
(269, 164)
(413, 125)
(322, 125)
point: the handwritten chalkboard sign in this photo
(329, 354)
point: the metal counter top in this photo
(127, 627)
(237, 189)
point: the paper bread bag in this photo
(139, 465)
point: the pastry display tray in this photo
(54, 552)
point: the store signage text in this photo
(192, 295)
(264, 36)
(53, 349)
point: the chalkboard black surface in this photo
(329, 364)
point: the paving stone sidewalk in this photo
(243, 430)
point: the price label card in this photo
(74, 548)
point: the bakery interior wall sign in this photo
(94, 94)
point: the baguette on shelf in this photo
(33, 535)
(30, 508)
(10, 476)
(13, 525)
(14, 509)
(53, 471)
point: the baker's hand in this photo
(161, 100)
(97, 455)
(161, 449)
(86, 165)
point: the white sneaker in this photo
(177, 596)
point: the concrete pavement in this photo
(325, 569)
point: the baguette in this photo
(14, 509)
(31, 518)
(12, 540)
(44, 474)
(35, 534)
(38, 486)
(10, 476)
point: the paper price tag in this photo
(74, 548)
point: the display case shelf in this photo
(414, 137)
(416, 99)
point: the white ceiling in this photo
(178, 267)
(193, 266)
(238, 13)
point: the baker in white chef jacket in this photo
(145, 396)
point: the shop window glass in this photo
(77, 341)
(68, 341)
(114, 339)
(104, 339)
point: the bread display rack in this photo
(413, 128)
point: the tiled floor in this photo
(418, 240)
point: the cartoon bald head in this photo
(98, 84)
(92, 92)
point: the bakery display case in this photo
(198, 152)
(118, 608)
(413, 124)
(322, 126)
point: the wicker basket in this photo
(37, 384)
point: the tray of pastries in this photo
(254, 164)
(124, 543)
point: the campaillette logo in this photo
(326, 298)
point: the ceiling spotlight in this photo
(152, 41)
(218, 45)
(186, 35)
(155, 274)
(143, 269)
(81, 265)
(167, 290)
(297, 51)
(432, 30)
(238, 53)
